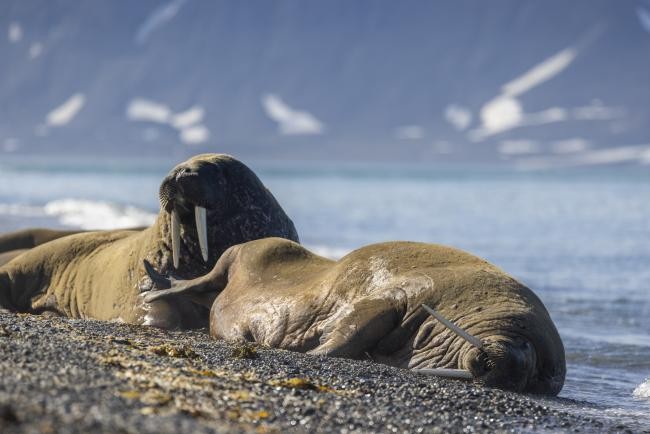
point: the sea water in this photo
(579, 238)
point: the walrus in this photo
(369, 304)
(208, 203)
(15, 243)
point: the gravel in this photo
(69, 376)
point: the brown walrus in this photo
(208, 204)
(369, 304)
(15, 243)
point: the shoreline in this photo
(64, 375)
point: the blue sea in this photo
(579, 238)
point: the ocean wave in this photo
(87, 214)
(329, 251)
(643, 389)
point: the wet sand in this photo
(62, 375)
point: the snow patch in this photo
(148, 111)
(35, 50)
(15, 32)
(459, 117)
(409, 132)
(644, 18)
(518, 147)
(195, 135)
(63, 114)
(187, 122)
(291, 122)
(643, 389)
(189, 117)
(570, 146)
(505, 111)
(158, 18)
(501, 114)
(597, 111)
(540, 73)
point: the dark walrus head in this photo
(209, 203)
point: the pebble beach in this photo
(68, 376)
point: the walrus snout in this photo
(506, 363)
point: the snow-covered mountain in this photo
(533, 82)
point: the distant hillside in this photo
(534, 82)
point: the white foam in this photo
(158, 18)
(188, 118)
(15, 32)
(409, 132)
(643, 389)
(21, 210)
(67, 111)
(141, 109)
(624, 154)
(195, 135)
(290, 121)
(459, 117)
(329, 251)
(86, 214)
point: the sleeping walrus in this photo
(208, 203)
(369, 304)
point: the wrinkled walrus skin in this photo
(368, 304)
(100, 274)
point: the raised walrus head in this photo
(209, 203)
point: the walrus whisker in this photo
(200, 214)
(446, 373)
(176, 238)
(454, 328)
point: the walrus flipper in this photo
(362, 325)
(202, 290)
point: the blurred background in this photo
(518, 130)
(526, 82)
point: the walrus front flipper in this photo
(202, 290)
(362, 325)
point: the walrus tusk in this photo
(176, 238)
(202, 230)
(447, 373)
(454, 328)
